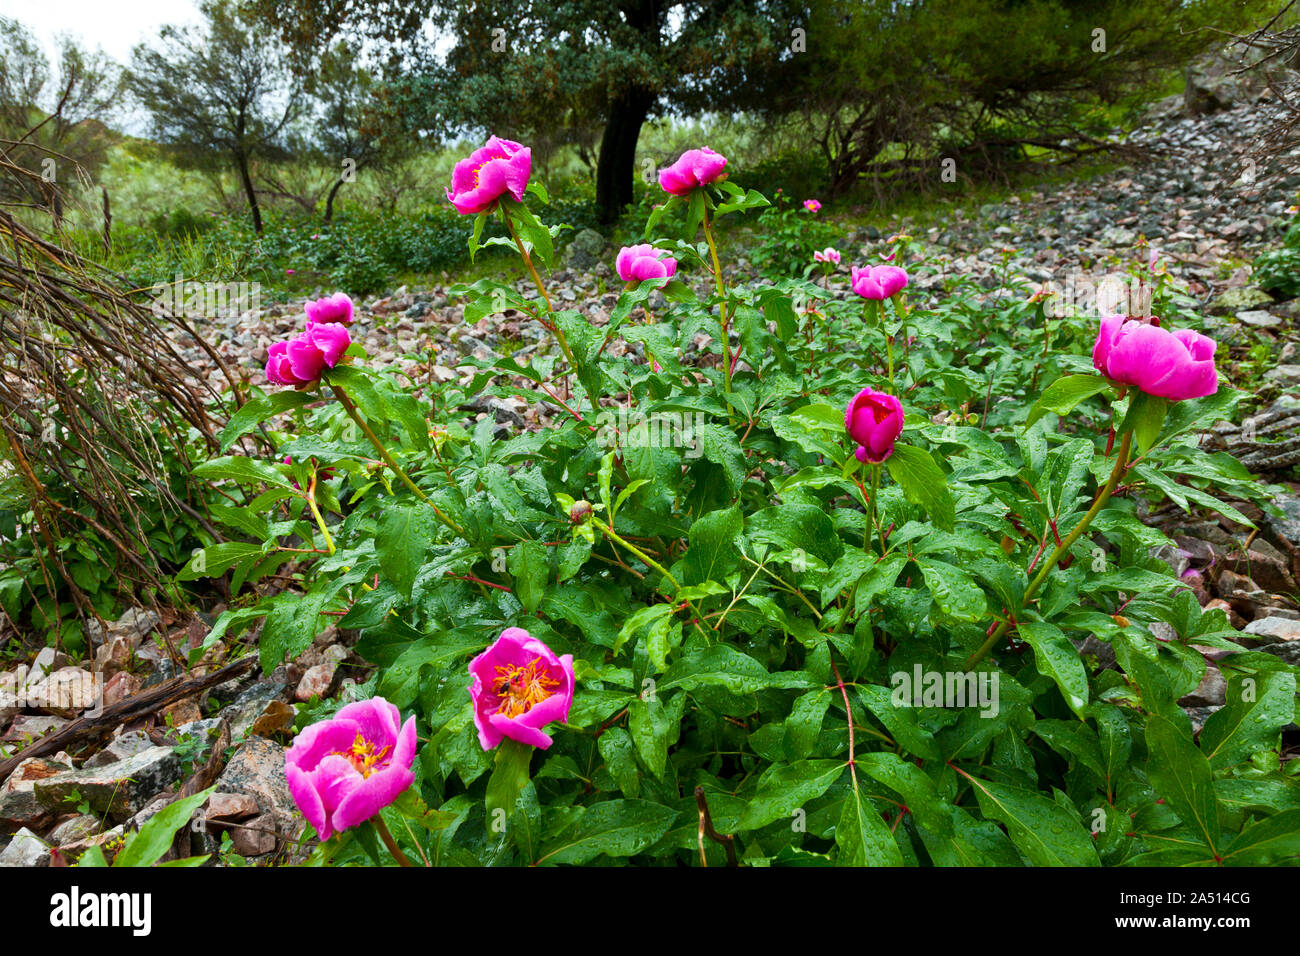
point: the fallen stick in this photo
(132, 708)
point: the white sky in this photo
(114, 25)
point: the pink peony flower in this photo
(812, 205)
(332, 308)
(695, 168)
(635, 263)
(499, 167)
(874, 420)
(878, 282)
(1173, 365)
(344, 770)
(519, 686)
(829, 254)
(302, 359)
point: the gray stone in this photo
(134, 625)
(257, 837)
(121, 789)
(1288, 651)
(1242, 299)
(1259, 319)
(29, 727)
(232, 806)
(81, 827)
(120, 748)
(18, 804)
(76, 848)
(26, 849)
(1286, 375)
(322, 678)
(9, 705)
(150, 810)
(1176, 558)
(1198, 716)
(1211, 692)
(204, 730)
(67, 691)
(1101, 650)
(248, 706)
(257, 769)
(1273, 630)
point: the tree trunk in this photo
(616, 165)
(329, 200)
(241, 160)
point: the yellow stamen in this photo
(523, 688)
(362, 755)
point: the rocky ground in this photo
(1203, 204)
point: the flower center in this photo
(522, 688)
(362, 755)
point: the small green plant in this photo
(78, 801)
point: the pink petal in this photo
(372, 794)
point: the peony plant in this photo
(749, 575)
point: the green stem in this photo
(537, 280)
(609, 532)
(901, 311)
(1121, 465)
(722, 307)
(389, 460)
(389, 842)
(315, 511)
(875, 486)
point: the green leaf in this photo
(1274, 840)
(241, 519)
(1181, 774)
(955, 592)
(803, 526)
(576, 604)
(915, 786)
(617, 828)
(155, 838)
(401, 542)
(529, 564)
(862, 836)
(654, 727)
(93, 857)
(804, 724)
(722, 666)
(784, 788)
(1055, 657)
(901, 722)
(712, 553)
(290, 626)
(618, 752)
(923, 483)
(1064, 394)
(1044, 831)
(243, 470)
(509, 775)
(1145, 418)
(721, 446)
(215, 560)
(257, 410)
(1256, 710)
